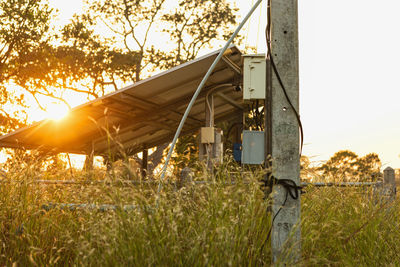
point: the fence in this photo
(385, 189)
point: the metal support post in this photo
(145, 162)
(107, 161)
(209, 108)
(385, 192)
(89, 161)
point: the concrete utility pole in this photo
(283, 129)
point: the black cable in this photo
(291, 189)
(254, 115)
(268, 37)
(261, 120)
(257, 116)
(231, 127)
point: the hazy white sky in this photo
(349, 81)
(349, 77)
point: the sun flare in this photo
(56, 111)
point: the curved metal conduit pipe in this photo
(201, 85)
(212, 91)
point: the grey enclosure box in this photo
(253, 147)
(254, 76)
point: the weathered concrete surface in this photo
(285, 129)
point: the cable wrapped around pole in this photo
(201, 85)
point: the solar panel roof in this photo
(142, 115)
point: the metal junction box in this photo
(254, 76)
(207, 135)
(253, 147)
(216, 153)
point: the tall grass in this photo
(349, 227)
(211, 224)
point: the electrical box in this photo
(237, 152)
(254, 76)
(207, 135)
(253, 147)
(216, 151)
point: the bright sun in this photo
(56, 111)
(53, 109)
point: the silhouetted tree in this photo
(347, 166)
(24, 27)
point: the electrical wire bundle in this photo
(257, 116)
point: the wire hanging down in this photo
(291, 189)
(278, 76)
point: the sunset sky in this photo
(349, 81)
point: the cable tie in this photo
(291, 187)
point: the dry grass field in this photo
(210, 224)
